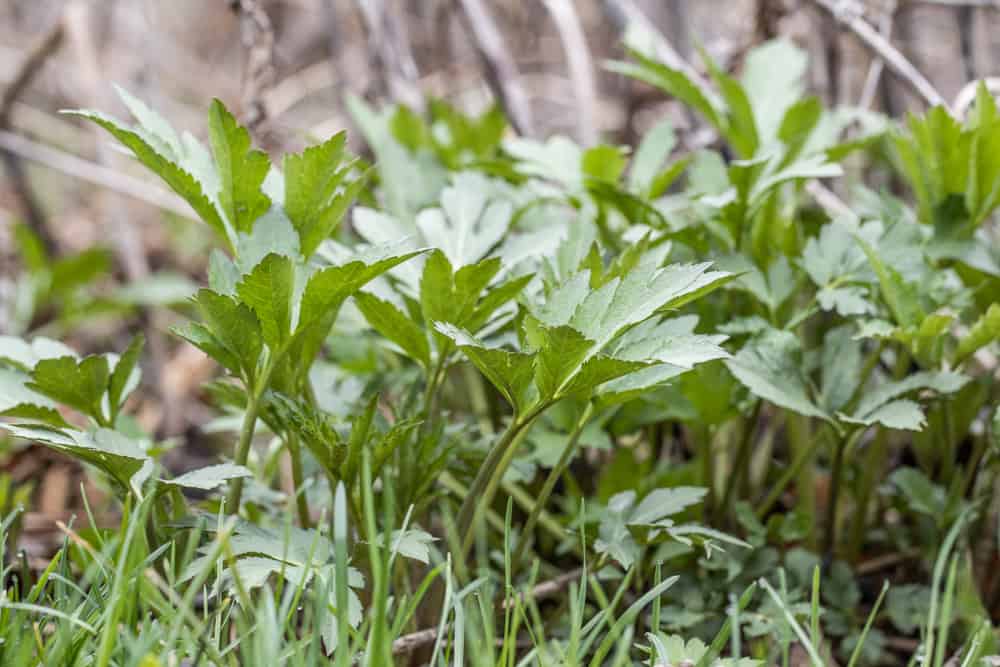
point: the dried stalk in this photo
(849, 13)
(581, 66)
(874, 76)
(259, 73)
(389, 44)
(501, 70)
(32, 64)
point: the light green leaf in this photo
(78, 384)
(175, 171)
(125, 377)
(509, 371)
(901, 414)
(983, 332)
(661, 503)
(268, 291)
(389, 321)
(241, 169)
(209, 477)
(108, 450)
(470, 221)
(653, 151)
(317, 190)
(770, 366)
(231, 333)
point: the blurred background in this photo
(91, 248)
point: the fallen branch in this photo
(94, 173)
(389, 45)
(501, 70)
(849, 13)
(257, 37)
(581, 66)
(874, 76)
(32, 64)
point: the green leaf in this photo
(509, 371)
(561, 351)
(389, 321)
(412, 543)
(603, 163)
(176, 171)
(982, 333)
(125, 376)
(17, 400)
(328, 288)
(317, 192)
(105, 449)
(25, 355)
(653, 151)
(231, 334)
(661, 503)
(78, 384)
(672, 82)
(902, 414)
(470, 222)
(773, 78)
(770, 366)
(942, 382)
(268, 291)
(241, 169)
(209, 477)
(841, 366)
(900, 296)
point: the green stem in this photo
(802, 456)
(870, 475)
(830, 540)
(298, 480)
(550, 482)
(242, 454)
(484, 486)
(742, 457)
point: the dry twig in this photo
(850, 14)
(874, 76)
(581, 66)
(32, 64)
(257, 37)
(93, 173)
(389, 44)
(500, 67)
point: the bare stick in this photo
(626, 13)
(983, 4)
(389, 44)
(870, 88)
(94, 173)
(581, 66)
(257, 37)
(967, 95)
(500, 67)
(849, 13)
(32, 64)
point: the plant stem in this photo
(484, 486)
(550, 482)
(836, 480)
(301, 502)
(870, 475)
(243, 453)
(802, 456)
(742, 457)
